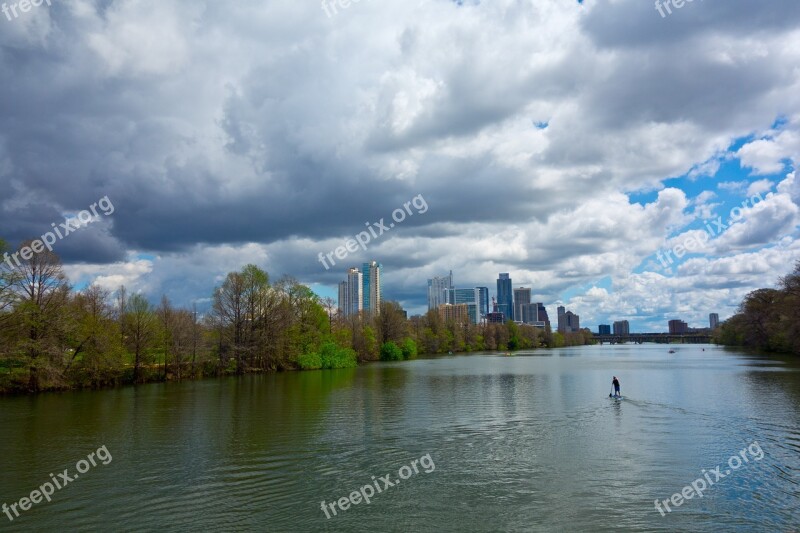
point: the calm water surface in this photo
(524, 443)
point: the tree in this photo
(140, 328)
(41, 292)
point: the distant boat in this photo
(672, 351)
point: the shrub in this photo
(391, 352)
(409, 348)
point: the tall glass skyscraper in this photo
(483, 300)
(505, 296)
(371, 291)
(437, 290)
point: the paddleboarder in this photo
(615, 382)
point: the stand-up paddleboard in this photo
(618, 398)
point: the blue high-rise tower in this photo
(505, 296)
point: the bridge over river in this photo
(658, 338)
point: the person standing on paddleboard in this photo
(615, 382)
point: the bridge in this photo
(658, 338)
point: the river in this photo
(485, 442)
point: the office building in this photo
(470, 297)
(622, 328)
(541, 315)
(713, 321)
(351, 300)
(522, 298)
(678, 327)
(483, 300)
(568, 322)
(604, 329)
(505, 296)
(458, 313)
(436, 290)
(371, 288)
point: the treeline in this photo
(767, 319)
(54, 337)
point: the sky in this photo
(571, 144)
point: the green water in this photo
(524, 443)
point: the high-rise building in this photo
(522, 298)
(436, 290)
(351, 301)
(568, 322)
(604, 329)
(622, 328)
(505, 296)
(573, 322)
(678, 327)
(371, 291)
(541, 315)
(470, 297)
(483, 300)
(458, 313)
(713, 320)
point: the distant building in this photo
(604, 329)
(351, 299)
(678, 327)
(541, 315)
(622, 328)
(458, 313)
(496, 316)
(371, 291)
(522, 299)
(470, 297)
(483, 300)
(505, 296)
(568, 322)
(713, 320)
(436, 290)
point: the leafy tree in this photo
(391, 352)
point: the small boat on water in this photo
(672, 351)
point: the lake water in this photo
(523, 443)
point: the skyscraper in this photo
(505, 296)
(436, 290)
(351, 301)
(522, 298)
(568, 322)
(541, 315)
(604, 329)
(470, 297)
(371, 292)
(622, 328)
(483, 300)
(713, 320)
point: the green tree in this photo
(391, 352)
